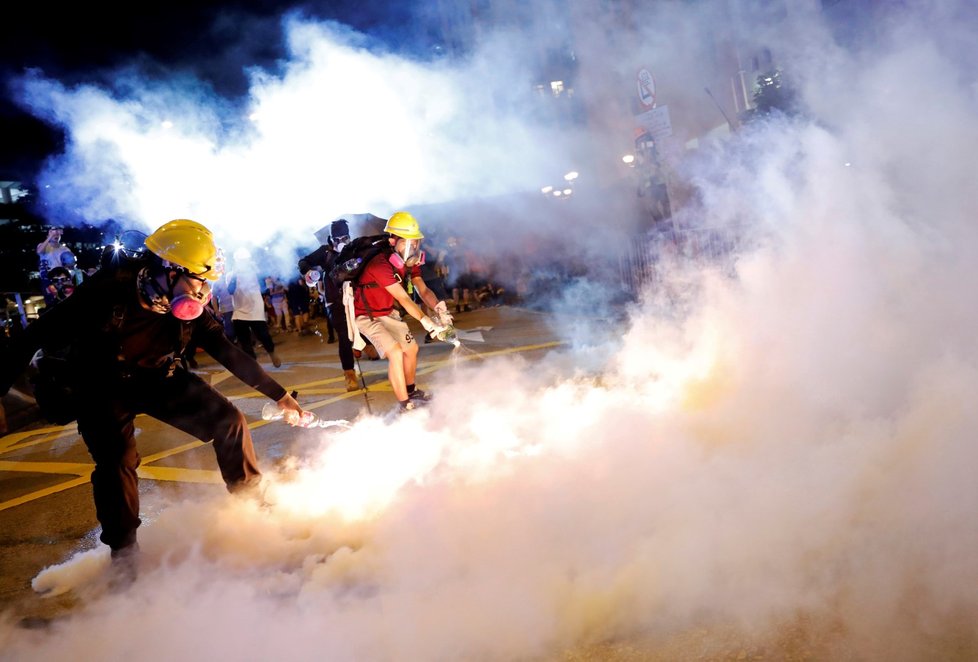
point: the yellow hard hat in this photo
(187, 244)
(403, 225)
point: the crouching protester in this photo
(391, 276)
(123, 332)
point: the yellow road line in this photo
(74, 468)
(156, 457)
(178, 475)
(15, 438)
(173, 474)
(54, 489)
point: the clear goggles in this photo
(409, 250)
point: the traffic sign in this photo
(656, 121)
(646, 88)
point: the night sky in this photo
(85, 42)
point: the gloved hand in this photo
(431, 326)
(441, 309)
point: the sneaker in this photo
(419, 396)
(276, 361)
(411, 405)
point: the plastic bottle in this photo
(349, 266)
(449, 336)
(272, 412)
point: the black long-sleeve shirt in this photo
(108, 332)
(323, 257)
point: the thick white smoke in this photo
(781, 465)
(340, 129)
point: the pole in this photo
(733, 129)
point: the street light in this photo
(629, 159)
(571, 176)
(546, 189)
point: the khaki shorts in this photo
(384, 332)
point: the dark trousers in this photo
(330, 327)
(337, 316)
(228, 326)
(243, 330)
(182, 400)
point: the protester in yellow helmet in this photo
(390, 277)
(123, 331)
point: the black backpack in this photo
(355, 256)
(53, 377)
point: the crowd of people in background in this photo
(284, 303)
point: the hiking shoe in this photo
(351, 380)
(276, 361)
(417, 395)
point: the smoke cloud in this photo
(774, 456)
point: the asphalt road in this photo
(46, 510)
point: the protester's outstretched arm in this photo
(401, 296)
(210, 337)
(248, 370)
(425, 292)
(412, 309)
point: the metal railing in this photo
(642, 263)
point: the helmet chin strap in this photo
(158, 297)
(155, 296)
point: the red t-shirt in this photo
(375, 300)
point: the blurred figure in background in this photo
(69, 262)
(61, 286)
(457, 275)
(277, 298)
(223, 305)
(248, 317)
(315, 268)
(298, 299)
(49, 254)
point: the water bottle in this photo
(448, 335)
(272, 412)
(349, 266)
